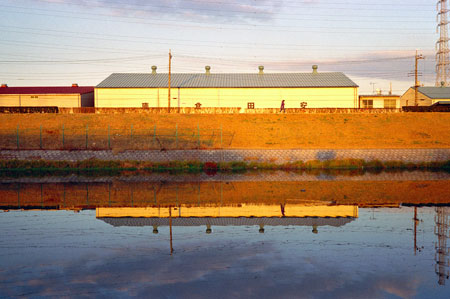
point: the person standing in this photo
(282, 107)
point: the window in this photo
(34, 97)
(367, 103)
(390, 103)
(251, 105)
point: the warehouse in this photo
(59, 96)
(426, 96)
(247, 91)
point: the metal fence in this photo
(131, 138)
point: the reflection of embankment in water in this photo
(134, 192)
(269, 176)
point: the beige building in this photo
(379, 101)
(426, 96)
(60, 96)
(247, 91)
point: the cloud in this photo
(218, 271)
(208, 10)
(379, 67)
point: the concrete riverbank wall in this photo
(278, 157)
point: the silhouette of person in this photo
(282, 205)
(282, 107)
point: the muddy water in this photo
(60, 238)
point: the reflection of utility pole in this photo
(416, 222)
(170, 225)
(441, 229)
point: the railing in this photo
(44, 109)
(83, 138)
(442, 108)
(173, 110)
(224, 110)
(213, 110)
(322, 110)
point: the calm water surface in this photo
(229, 247)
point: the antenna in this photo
(373, 87)
(442, 51)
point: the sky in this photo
(60, 42)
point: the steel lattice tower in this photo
(442, 50)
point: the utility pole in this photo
(442, 51)
(170, 64)
(416, 75)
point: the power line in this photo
(286, 28)
(169, 41)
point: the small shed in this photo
(389, 101)
(426, 96)
(42, 96)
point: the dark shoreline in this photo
(103, 167)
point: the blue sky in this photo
(59, 42)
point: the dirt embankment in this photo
(280, 131)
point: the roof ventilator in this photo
(261, 70)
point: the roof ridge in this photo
(172, 73)
(228, 80)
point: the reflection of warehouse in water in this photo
(239, 215)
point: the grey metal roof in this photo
(435, 92)
(225, 221)
(231, 80)
(441, 103)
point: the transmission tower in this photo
(442, 51)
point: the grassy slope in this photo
(279, 131)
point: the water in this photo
(112, 239)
